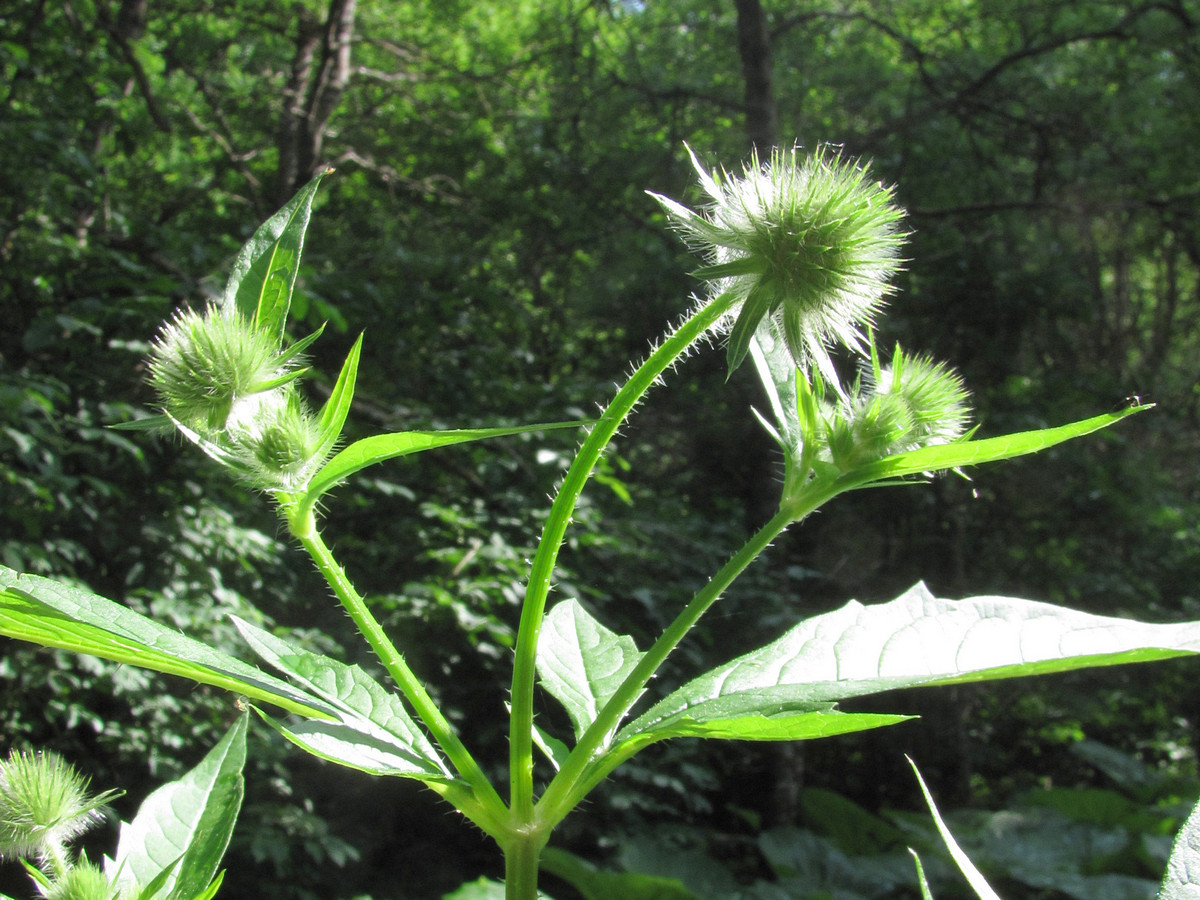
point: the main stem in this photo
(490, 813)
(533, 610)
(521, 854)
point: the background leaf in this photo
(597, 884)
(186, 824)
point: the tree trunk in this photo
(320, 72)
(754, 48)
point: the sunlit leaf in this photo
(978, 883)
(381, 447)
(185, 825)
(582, 663)
(51, 614)
(1182, 880)
(962, 454)
(373, 731)
(337, 407)
(916, 639)
(264, 273)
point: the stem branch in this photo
(579, 774)
(534, 607)
(490, 809)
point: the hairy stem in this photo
(534, 608)
(488, 810)
(578, 774)
(521, 865)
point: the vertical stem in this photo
(491, 808)
(520, 740)
(521, 866)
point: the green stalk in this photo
(521, 865)
(534, 608)
(578, 776)
(487, 809)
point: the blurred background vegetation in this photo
(487, 226)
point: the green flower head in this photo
(82, 882)
(915, 402)
(811, 240)
(203, 364)
(44, 804)
(280, 441)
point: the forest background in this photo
(487, 226)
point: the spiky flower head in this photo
(914, 402)
(933, 394)
(229, 386)
(281, 443)
(204, 363)
(82, 881)
(44, 804)
(809, 239)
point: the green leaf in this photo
(916, 639)
(264, 273)
(922, 881)
(1182, 879)
(51, 614)
(582, 663)
(144, 423)
(976, 452)
(596, 884)
(211, 891)
(381, 447)
(750, 718)
(185, 826)
(978, 884)
(337, 407)
(480, 889)
(554, 749)
(778, 373)
(754, 308)
(373, 731)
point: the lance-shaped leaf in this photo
(381, 447)
(51, 614)
(183, 828)
(264, 273)
(916, 639)
(1182, 880)
(582, 663)
(974, 877)
(960, 454)
(337, 407)
(373, 731)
